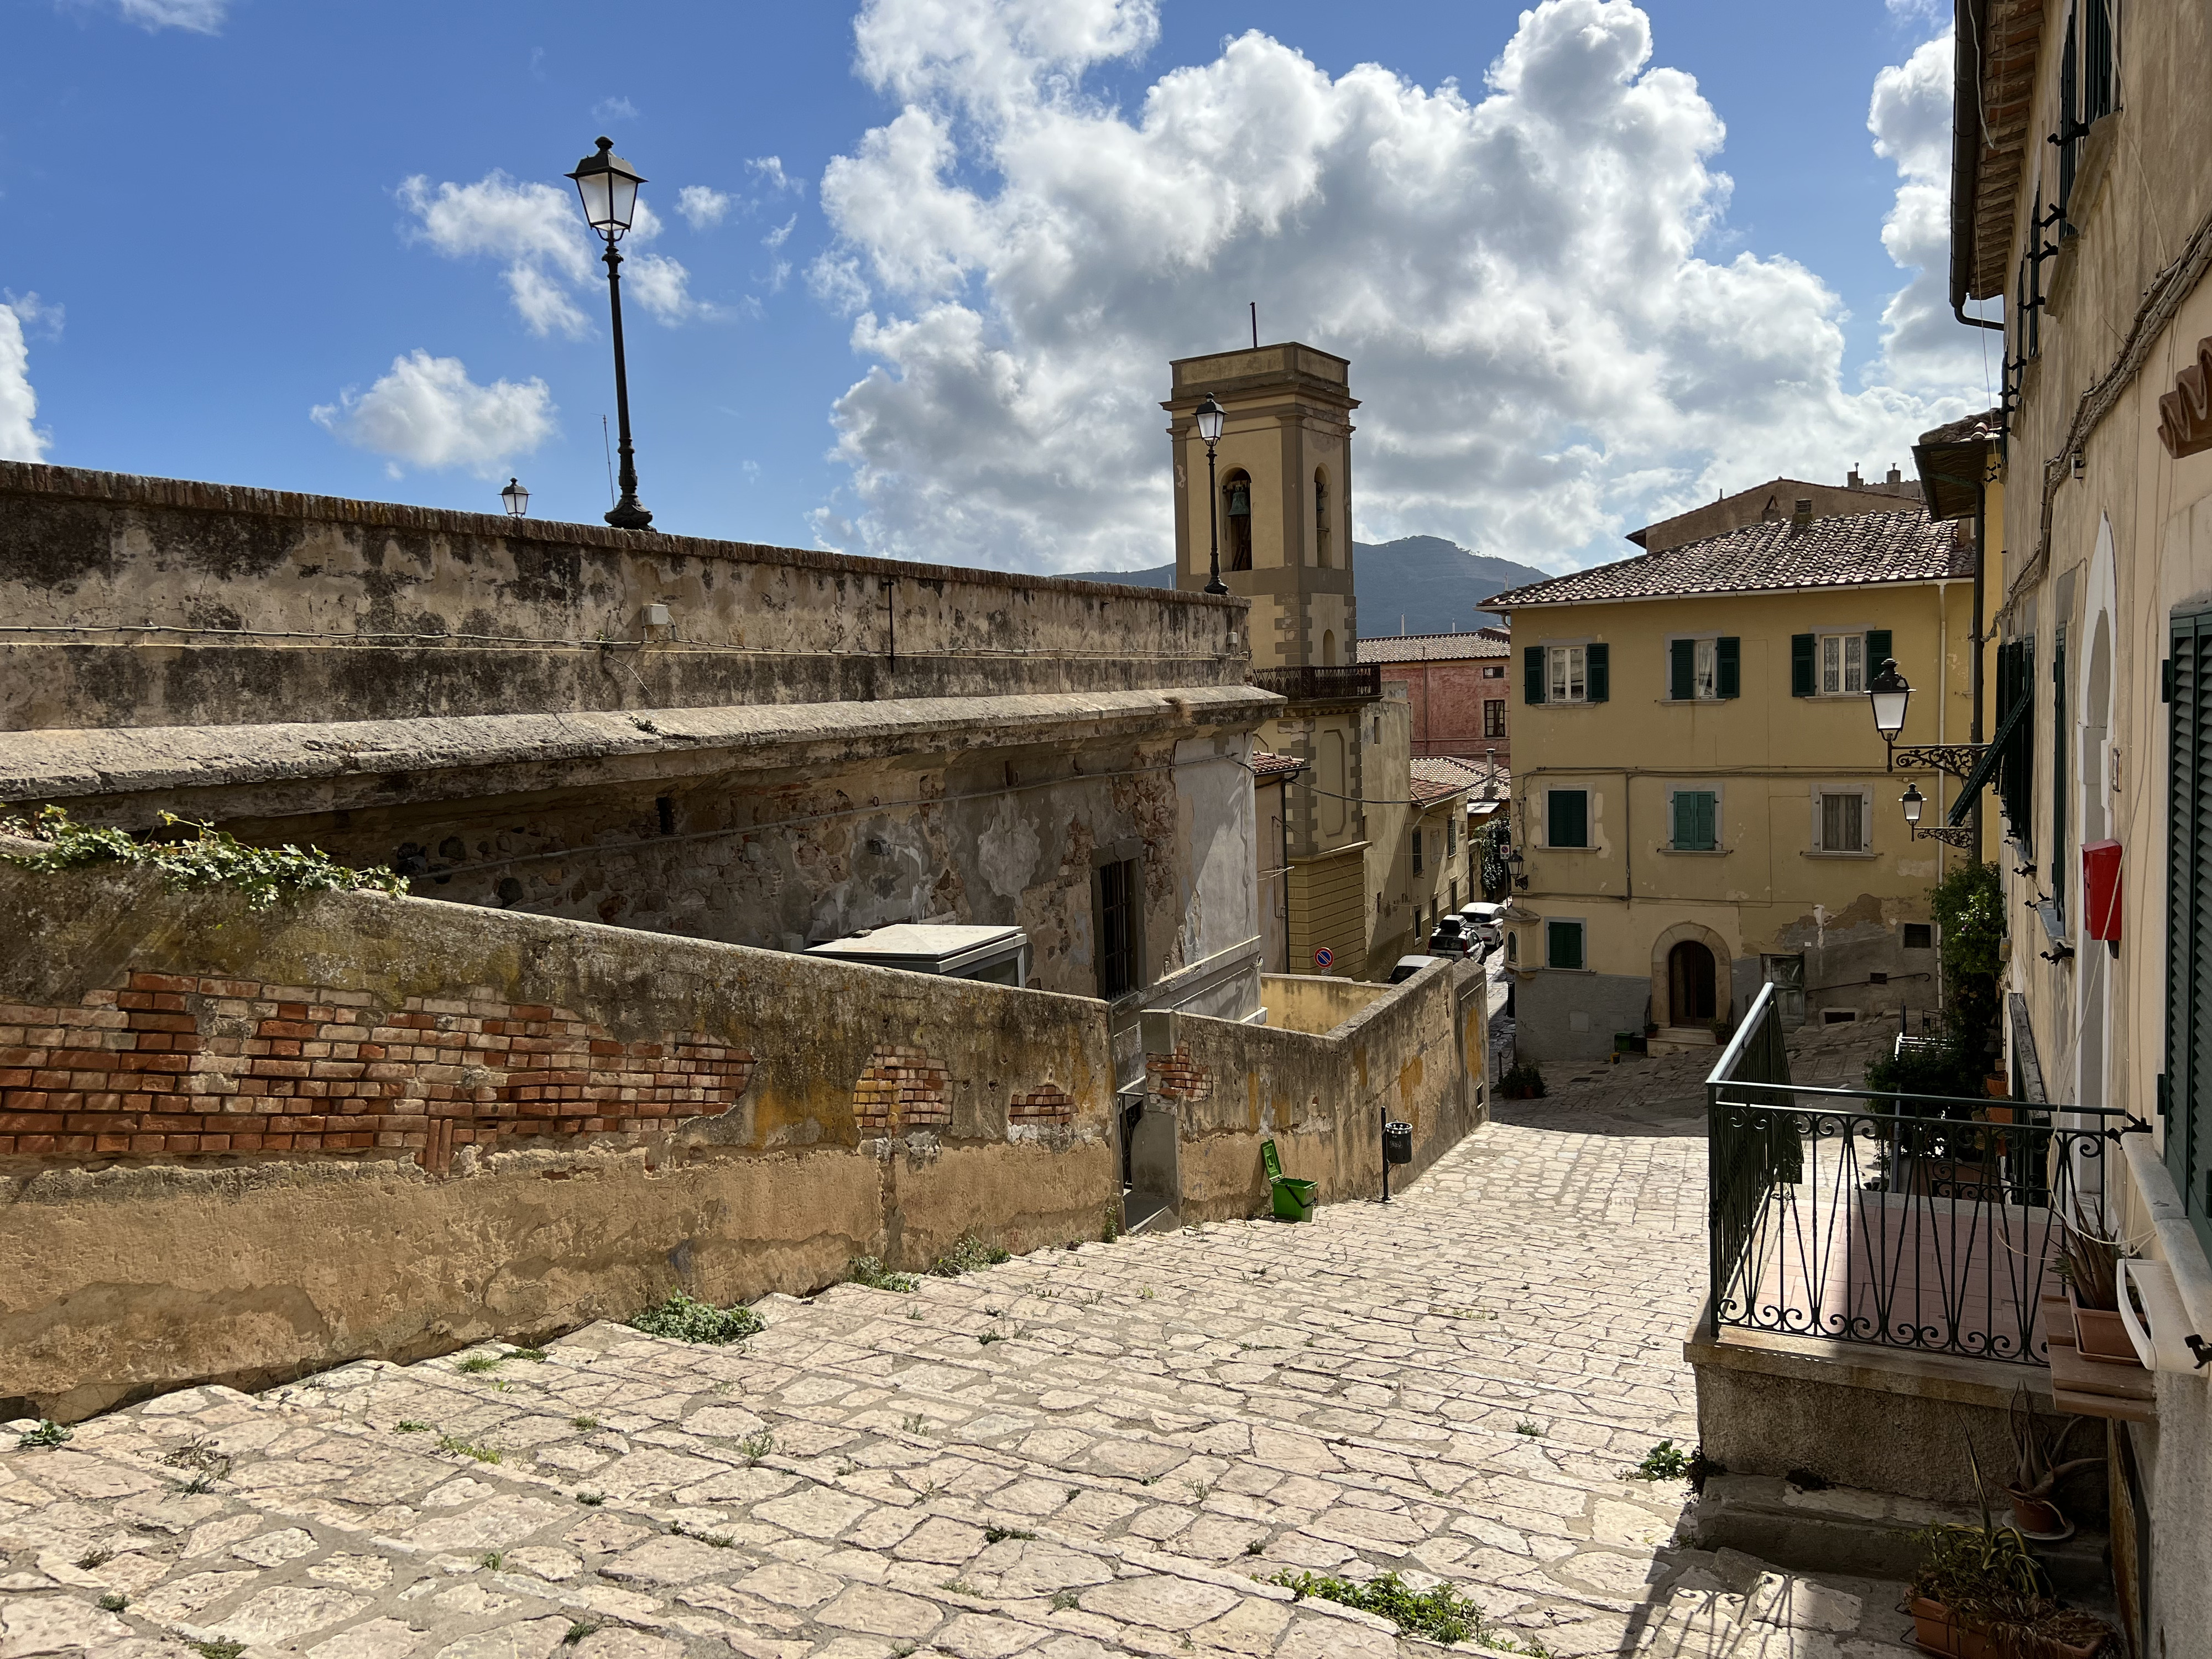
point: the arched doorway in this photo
(1689, 990)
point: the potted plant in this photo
(2034, 1488)
(2088, 1262)
(1980, 1594)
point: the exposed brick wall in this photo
(902, 1089)
(178, 1066)
(1178, 1077)
(1048, 1104)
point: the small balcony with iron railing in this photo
(1344, 683)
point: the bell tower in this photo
(1282, 495)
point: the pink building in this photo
(1457, 685)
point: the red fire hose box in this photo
(2100, 889)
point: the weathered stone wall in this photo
(130, 601)
(1312, 1003)
(1416, 1054)
(246, 1146)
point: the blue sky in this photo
(210, 202)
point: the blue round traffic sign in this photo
(1324, 957)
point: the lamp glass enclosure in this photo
(1210, 417)
(608, 187)
(1913, 802)
(1889, 692)
(516, 497)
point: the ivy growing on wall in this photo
(209, 858)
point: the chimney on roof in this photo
(1854, 482)
(1802, 519)
(1895, 477)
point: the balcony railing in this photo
(1363, 679)
(1900, 1221)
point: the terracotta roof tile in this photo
(1436, 647)
(1864, 547)
(1266, 767)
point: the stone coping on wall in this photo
(32, 478)
(496, 753)
(1819, 1363)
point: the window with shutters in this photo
(2016, 775)
(1451, 838)
(1562, 946)
(1703, 670)
(1569, 681)
(2060, 725)
(1843, 664)
(1695, 817)
(1840, 819)
(1417, 850)
(1566, 818)
(1493, 717)
(2186, 1098)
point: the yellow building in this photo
(1699, 796)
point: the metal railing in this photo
(1929, 1223)
(1314, 684)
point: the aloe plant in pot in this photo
(1980, 1593)
(2088, 1260)
(2038, 1470)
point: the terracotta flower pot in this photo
(2038, 1518)
(2098, 1334)
(1937, 1629)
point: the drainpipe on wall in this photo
(1981, 563)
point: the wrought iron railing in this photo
(1316, 684)
(1903, 1221)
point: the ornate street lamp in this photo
(1915, 803)
(609, 189)
(1210, 415)
(1888, 694)
(515, 498)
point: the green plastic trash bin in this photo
(1294, 1199)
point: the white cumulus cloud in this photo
(703, 206)
(1545, 355)
(427, 413)
(200, 17)
(551, 254)
(19, 441)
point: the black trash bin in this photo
(1397, 1143)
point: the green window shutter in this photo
(1693, 821)
(1803, 684)
(1532, 675)
(1681, 670)
(1600, 671)
(2059, 727)
(1563, 944)
(2189, 920)
(1728, 662)
(1878, 650)
(1566, 818)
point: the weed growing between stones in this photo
(1257, 1546)
(213, 857)
(577, 1633)
(113, 1603)
(686, 1319)
(447, 1442)
(1000, 1535)
(217, 1650)
(869, 1270)
(712, 1539)
(756, 1446)
(199, 1455)
(585, 1422)
(479, 1362)
(1529, 1429)
(409, 1426)
(969, 1253)
(48, 1435)
(1664, 1461)
(94, 1558)
(537, 1354)
(1109, 1225)
(1064, 1600)
(494, 1560)
(590, 1500)
(1441, 1614)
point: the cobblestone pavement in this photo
(1085, 1452)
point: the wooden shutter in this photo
(1532, 674)
(1728, 666)
(1562, 947)
(1803, 682)
(1693, 821)
(2059, 728)
(1681, 670)
(2189, 920)
(1599, 678)
(1566, 818)
(1878, 650)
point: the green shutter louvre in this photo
(1878, 650)
(1566, 818)
(1600, 671)
(1728, 661)
(1695, 826)
(1802, 681)
(1532, 675)
(1564, 944)
(2189, 920)
(2058, 729)
(1681, 670)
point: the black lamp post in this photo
(1210, 415)
(609, 189)
(514, 498)
(1887, 693)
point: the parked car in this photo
(1409, 966)
(1480, 920)
(1449, 939)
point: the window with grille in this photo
(2185, 1090)
(1117, 928)
(1919, 936)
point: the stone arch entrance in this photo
(1698, 977)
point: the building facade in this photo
(2082, 199)
(1456, 685)
(1696, 805)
